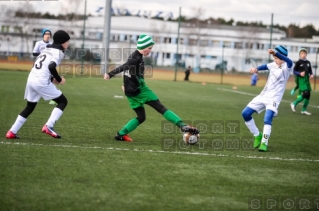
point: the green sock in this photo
(305, 105)
(299, 99)
(172, 117)
(129, 127)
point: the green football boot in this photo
(52, 102)
(258, 140)
(263, 147)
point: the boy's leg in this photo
(137, 104)
(306, 95)
(32, 97)
(171, 116)
(153, 101)
(297, 85)
(55, 116)
(22, 117)
(133, 123)
(300, 98)
(292, 92)
(267, 130)
(250, 123)
(167, 114)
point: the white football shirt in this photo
(40, 46)
(277, 80)
(40, 70)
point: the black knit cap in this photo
(60, 37)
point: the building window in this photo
(167, 40)
(293, 48)
(238, 45)
(17, 29)
(192, 42)
(157, 40)
(215, 43)
(115, 37)
(249, 45)
(227, 44)
(37, 30)
(307, 49)
(203, 42)
(257, 46)
(168, 55)
(5, 29)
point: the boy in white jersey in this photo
(39, 84)
(270, 96)
(41, 45)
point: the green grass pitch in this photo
(88, 170)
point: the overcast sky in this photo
(285, 11)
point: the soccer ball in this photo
(190, 138)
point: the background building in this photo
(202, 46)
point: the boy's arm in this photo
(54, 72)
(36, 51)
(121, 68)
(310, 69)
(297, 65)
(262, 67)
(296, 72)
(286, 59)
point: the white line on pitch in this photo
(161, 151)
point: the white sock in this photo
(55, 116)
(18, 124)
(266, 134)
(252, 127)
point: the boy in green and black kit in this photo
(138, 93)
(303, 72)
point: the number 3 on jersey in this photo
(38, 62)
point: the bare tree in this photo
(194, 30)
(71, 11)
(248, 39)
(70, 8)
(157, 29)
(19, 24)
